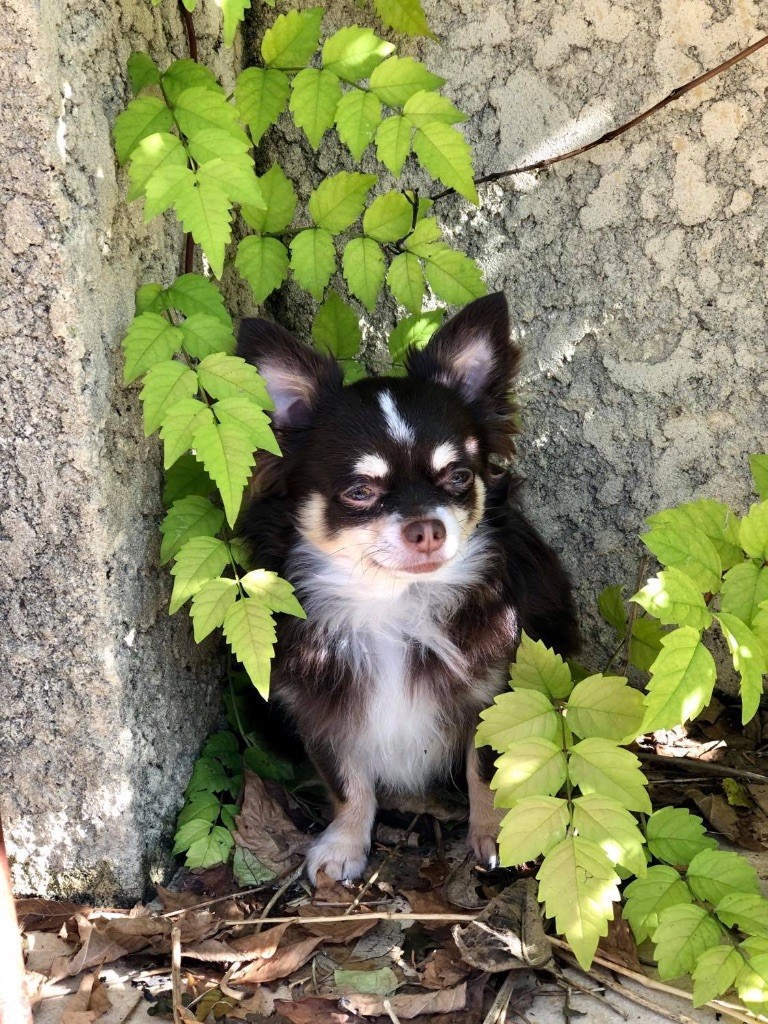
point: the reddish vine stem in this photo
(189, 28)
(614, 133)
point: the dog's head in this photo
(387, 477)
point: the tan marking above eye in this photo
(443, 456)
(372, 465)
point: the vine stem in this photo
(614, 133)
(694, 766)
(189, 28)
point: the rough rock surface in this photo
(104, 698)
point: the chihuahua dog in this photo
(416, 568)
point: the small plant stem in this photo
(694, 766)
(395, 850)
(379, 915)
(176, 972)
(293, 877)
(592, 992)
(498, 1010)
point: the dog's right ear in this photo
(296, 375)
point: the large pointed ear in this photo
(296, 375)
(472, 353)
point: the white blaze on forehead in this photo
(397, 428)
(372, 465)
(472, 445)
(443, 456)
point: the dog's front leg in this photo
(484, 818)
(342, 850)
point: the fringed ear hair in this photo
(296, 375)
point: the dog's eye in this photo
(360, 496)
(459, 479)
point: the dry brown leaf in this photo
(88, 1004)
(619, 944)
(335, 931)
(407, 1006)
(434, 870)
(211, 882)
(177, 900)
(286, 960)
(508, 934)
(315, 1010)
(429, 902)
(35, 915)
(442, 969)
(264, 827)
(34, 983)
(262, 945)
(96, 949)
(461, 887)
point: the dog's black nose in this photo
(424, 535)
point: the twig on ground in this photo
(218, 899)
(294, 876)
(565, 982)
(374, 915)
(695, 766)
(176, 972)
(395, 850)
(390, 1012)
(498, 1010)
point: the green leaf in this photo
(225, 451)
(758, 465)
(713, 874)
(150, 340)
(200, 805)
(715, 973)
(745, 911)
(380, 982)
(250, 418)
(414, 331)
(205, 212)
(406, 281)
(752, 984)
(165, 384)
(534, 826)
(186, 835)
(357, 117)
(683, 934)
(192, 293)
(712, 518)
(233, 12)
(261, 95)
(143, 116)
(517, 716)
(645, 643)
(675, 836)
(209, 143)
(248, 869)
(674, 599)
(208, 775)
(263, 262)
(150, 299)
(536, 667)
(682, 679)
(235, 177)
(179, 425)
(225, 376)
(445, 153)
(222, 742)
(315, 96)
(210, 604)
(749, 660)
(338, 201)
(205, 335)
(760, 626)
(753, 533)
(164, 187)
(605, 706)
(352, 53)
(646, 898)
(454, 277)
(611, 606)
(268, 765)
(292, 40)
(201, 108)
(142, 71)
(393, 142)
(389, 217)
(313, 260)
(531, 767)
(427, 107)
(214, 849)
(690, 551)
(600, 766)
(608, 825)
(406, 16)
(424, 240)
(151, 154)
(398, 78)
(199, 560)
(276, 593)
(280, 203)
(363, 265)
(578, 887)
(186, 476)
(745, 587)
(250, 632)
(228, 812)
(188, 74)
(188, 517)
(336, 328)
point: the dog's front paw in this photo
(343, 859)
(483, 846)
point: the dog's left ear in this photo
(473, 353)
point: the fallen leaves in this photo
(408, 1006)
(265, 829)
(88, 1004)
(508, 933)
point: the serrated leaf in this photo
(261, 95)
(292, 40)
(425, 239)
(752, 983)
(267, 764)
(188, 517)
(279, 197)
(454, 277)
(426, 107)
(186, 476)
(745, 587)
(674, 599)
(605, 706)
(165, 384)
(405, 16)
(210, 143)
(363, 266)
(205, 335)
(393, 142)
(214, 849)
(188, 74)
(714, 519)
(536, 667)
(150, 340)
(645, 643)
(760, 626)
(530, 767)
(413, 331)
(235, 177)
(225, 376)
(208, 775)
(406, 281)
(248, 869)
(745, 911)
(189, 833)
(250, 632)
(313, 260)
(578, 887)
(233, 13)
(398, 78)
(610, 604)
(336, 328)
(144, 116)
(142, 71)
(205, 212)
(682, 679)
(225, 451)
(445, 153)
(646, 898)
(192, 293)
(533, 827)
(150, 299)
(246, 414)
(389, 217)
(713, 874)
(314, 98)
(749, 660)
(276, 593)
(352, 53)
(339, 200)
(210, 604)
(753, 533)
(675, 836)
(683, 934)
(758, 465)
(358, 115)
(263, 262)
(164, 187)
(201, 805)
(199, 560)
(517, 716)
(690, 551)
(179, 425)
(608, 825)
(600, 766)
(715, 973)
(200, 108)
(153, 153)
